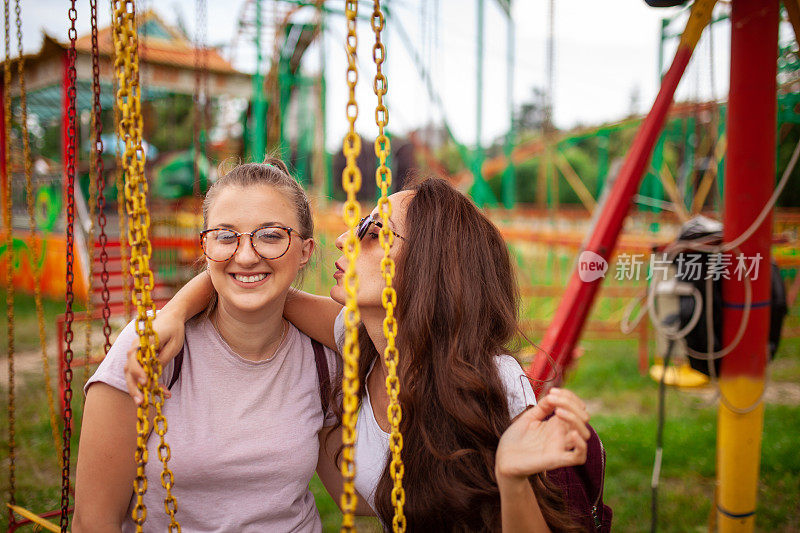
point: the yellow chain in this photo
(123, 232)
(126, 64)
(351, 182)
(383, 177)
(33, 242)
(123, 251)
(9, 263)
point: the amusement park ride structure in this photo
(751, 152)
(287, 113)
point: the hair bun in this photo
(277, 163)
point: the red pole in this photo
(566, 327)
(750, 181)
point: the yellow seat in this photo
(36, 519)
(679, 376)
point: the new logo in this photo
(591, 266)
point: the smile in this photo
(252, 278)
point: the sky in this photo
(605, 57)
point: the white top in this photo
(243, 434)
(372, 443)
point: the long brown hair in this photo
(457, 308)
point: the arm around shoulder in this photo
(313, 315)
(330, 439)
(191, 299)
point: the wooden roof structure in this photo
(167, 65)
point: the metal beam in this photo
(568, 322)
(509, 187)
(258, 135)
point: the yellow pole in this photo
(750, 178)
(738, 454)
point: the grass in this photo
(624, 409)
(623, 405)
(26, 329)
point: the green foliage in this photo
(450, 157)
(48, 144)
(332, 517)
(527, 178)
(790, 197)
(173, 124)
(585, 166)
(26, 327)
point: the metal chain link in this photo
(99, 169)
(121, 217)
(126, 65)
(9, 264)
(123, 228)
(351, 182)
(70, 298)
(90, 267)
(383, 178)
(34, 243)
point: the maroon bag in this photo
(582, 487)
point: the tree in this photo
(531, 114)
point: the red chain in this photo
(9, 270)
(71, 148)
(97, 109)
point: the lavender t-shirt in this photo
(243, 434)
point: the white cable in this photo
(728, 246)
(671, 333)
(712, 369)
(625, 325)
(768, 206)
(710, 356)
(673, 251)
(724, 247)
(748, 302)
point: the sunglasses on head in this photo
(363, 226)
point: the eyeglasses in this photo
(364, 224)
(269, 242)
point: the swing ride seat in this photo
(33, 518)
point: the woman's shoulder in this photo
(313, 348)
(510, 371)
(112, 368)
(327, 365)
(519, 392)
(196, 324)
(508, 365)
